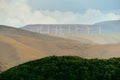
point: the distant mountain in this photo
(112, 22)
(98, 28)
(57, 28)
(109, 26)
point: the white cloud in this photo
(19, 13)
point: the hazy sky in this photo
(75, 5)
(22, 12)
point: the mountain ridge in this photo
(112, 26)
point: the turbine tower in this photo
(88, 29)
(100, 29)
(69, 29)
(48, 29)
(56, 30)
(76, 29)
(40, 29)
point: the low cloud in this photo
(18, 13)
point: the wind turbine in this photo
(48, 29)
(76, 29)
(69, 29)
(40, 29)
(88, 29)
(100, 29)
(56, 30)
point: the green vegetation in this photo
(65, 68)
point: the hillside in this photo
(18, 46)
(7, 30)
(65, 68)
(96, 38)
